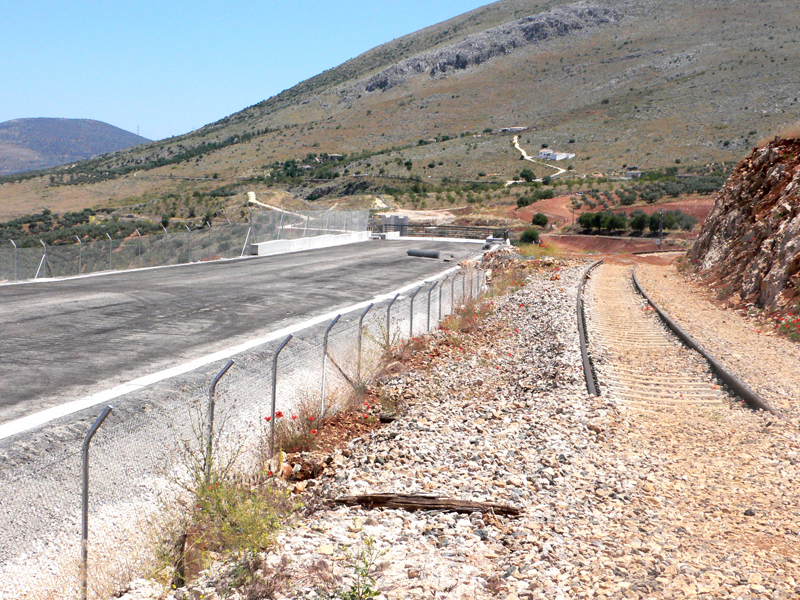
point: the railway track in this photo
(637, 359)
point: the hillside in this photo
(29, 144)
(750, 243)
(621, 84)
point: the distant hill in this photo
(624, 85)
(30, 144)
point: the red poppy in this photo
(278, 415)
(314, 431)
(269, 473)
(268, 419)
(311, 418)
(294, 417)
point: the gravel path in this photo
(767, 362)
(617, 502)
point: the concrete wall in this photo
(309, 243)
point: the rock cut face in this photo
(751, 239)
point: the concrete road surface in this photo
(62, 340)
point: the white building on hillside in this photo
(547, 154)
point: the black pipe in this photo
(424, 253)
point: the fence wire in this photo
(139, 453)
(178, 247)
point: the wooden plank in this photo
(412, 502)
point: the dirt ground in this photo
(597, 244)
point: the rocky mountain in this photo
(29, 144)
(750, 242)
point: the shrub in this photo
(529, 236)
(539, 219)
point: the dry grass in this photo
(787, 133)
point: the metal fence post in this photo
(210, 426)
(361, 335)
(15, 259)
(166, 245)
(80, 254)
(441, 287)
(275, 395)
(280, 226)
(190, 242)
(388, 322)
(246, 239)
(472, 284)
(308, 216)
(464, 286)
(325, 363)
(110, 248)
(85, 503)
(428, 327)
(411, 313)
(138, 249)
(453, 293)
(42, 262)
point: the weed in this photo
(297, 432)
(789, 327)
(537, 251)
(466, 319)
(724, 292)
(363, 563)
(218, 508)
(507, 280)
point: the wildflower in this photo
(278, 415)
(516, 331)
(311, 418)
(365, 416)
(294, 417)
(268, 419)
(366, 404)
(313, 432)
(269, 473)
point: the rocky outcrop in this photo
(751, 239)
(478, 48)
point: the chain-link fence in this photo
(139, 452)
(210, 243)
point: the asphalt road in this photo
(62, 340)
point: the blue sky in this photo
(170, 67)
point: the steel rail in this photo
(588, 368)
(736, 385)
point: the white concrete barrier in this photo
(308, 243)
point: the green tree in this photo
(527, 175)
(529, 236)
(638, 220)
(539, 219)
(585, 220)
